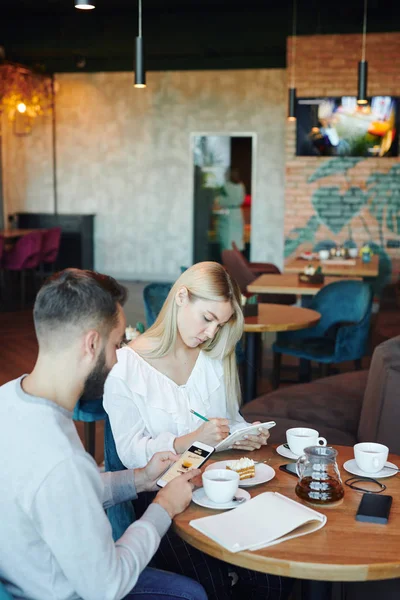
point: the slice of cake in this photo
(244, 466)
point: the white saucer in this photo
(286, 452)
(351, 467)
(263, 473)
(200, 498)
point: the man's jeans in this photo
(161, 585)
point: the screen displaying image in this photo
(341, 127)
(192, 458)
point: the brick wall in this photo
(327, 66)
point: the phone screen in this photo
(192, 458)
(289, 468)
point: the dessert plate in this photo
(285, 451)
(351, 467)
(200, 498)
(263, 473)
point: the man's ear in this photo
(182, 296)
(92, 344)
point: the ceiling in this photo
(178, 34)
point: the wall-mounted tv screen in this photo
(341, 127)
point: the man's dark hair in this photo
(77, 298)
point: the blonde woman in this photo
(185, 361)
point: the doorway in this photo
(223, 172)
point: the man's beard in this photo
(94, 384)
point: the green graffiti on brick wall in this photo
(336, 209)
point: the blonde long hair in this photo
(205, 281)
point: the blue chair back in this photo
(89, 411)
(340, 302)
(123, 514)
(345, 308)
(154, 296)
(4, 595)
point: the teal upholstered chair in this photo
(341, 334)
(123, 514)
(154, 296)
(89, 411)
(4, 595)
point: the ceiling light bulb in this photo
(84, 4)
(21, 107)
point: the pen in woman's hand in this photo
(198, 415)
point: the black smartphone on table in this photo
(289, 468)
(374, 508)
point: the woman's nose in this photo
(211, 331)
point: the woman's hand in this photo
(213, 431)
(253, 442)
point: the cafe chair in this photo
(341, 334)
(239, 269)
(123, 514)
(24, 257)
(257, 268)
(154, 296)
(89, 411)
(4, 595)
(49, 251)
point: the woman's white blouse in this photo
(148, 410)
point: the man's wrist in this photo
(141, 480)
(159, 499)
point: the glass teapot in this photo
(319, 478)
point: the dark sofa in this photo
(345, 408)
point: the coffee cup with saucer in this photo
(370, 460)
(299, 438)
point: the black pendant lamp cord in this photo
(364, 39)
(294, 20)
(140, 19)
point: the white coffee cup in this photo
(220, 485)
(353, 252)
(299, 438)
(370, 457)
(323, 254)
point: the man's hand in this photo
(146, 478)
(177, 494)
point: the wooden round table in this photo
(271, 317)
(343, 550)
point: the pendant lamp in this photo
(363, 65)
(292, 89)
(140, 74)
(84, 4)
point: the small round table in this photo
(271, 317)
(343, 550)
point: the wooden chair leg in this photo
(90, 437)
(259, 352)
(324, 369)
(276, 372)
(304, 370)
(23, 287)
(358, 364)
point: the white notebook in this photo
(240, 433)
(265, 520)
